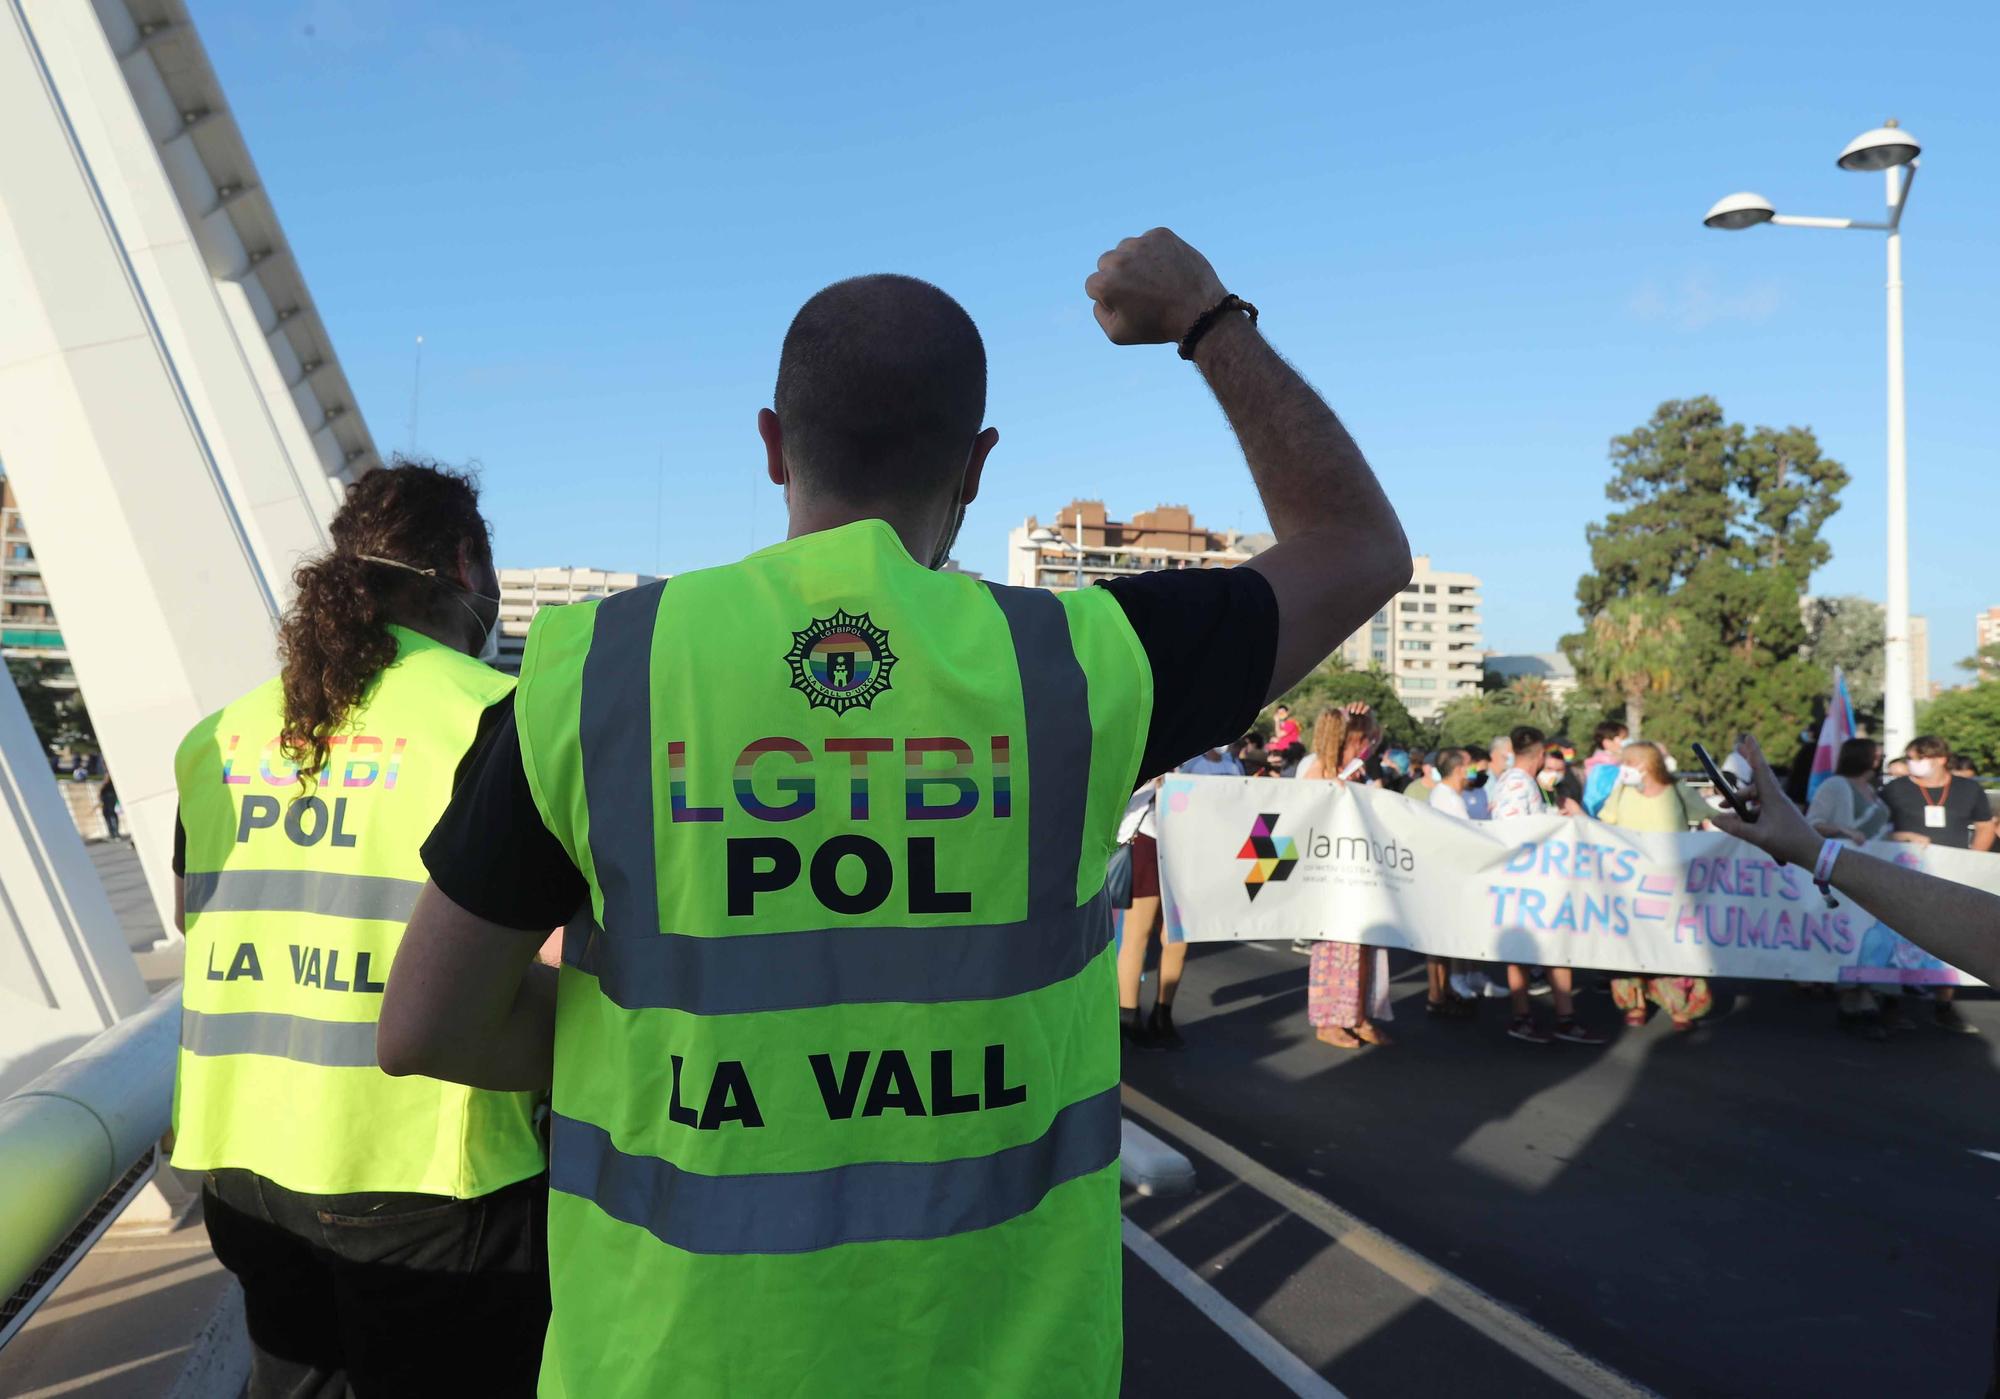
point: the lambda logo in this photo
(841, 662)
(1272, 857)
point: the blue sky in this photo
(1476, 229)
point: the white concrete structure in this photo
(1552, 667)
(65, 969)
(171, 413)
(1429, 640)
(526, 591)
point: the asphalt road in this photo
(1767, 1206)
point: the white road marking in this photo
(1491, 1318)
(1290, 1371)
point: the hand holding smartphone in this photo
(1725, 785)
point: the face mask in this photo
(1631, 777)
(489, 645)
(942, 554)
(1548, 781)
(1922, 767)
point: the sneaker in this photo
(1946, 1017)
(1523, 1028)
(1539, 987)
(1164, 1035)
(1894, 1017)
(1135, 1033)
(1469, 985)
(1570, 1032)
(1304, 946)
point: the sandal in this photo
(1635, 1018)
(1368, 1034)
(1336, 1036)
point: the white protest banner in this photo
(1250, 858)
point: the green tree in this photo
(1534, 696)
(1633, 648)
(56, 712)
(1334, 682)
(1718, 527)
(1983, 663)
(1849, 632)
(1969, 720)
(1581, 713)
(1471, 719)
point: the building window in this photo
(1458, 609)
(1428, 607)
(1412, 607)
(1414, 645)
(1419, 682)
(1430, 587)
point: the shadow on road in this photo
(1766, 1205)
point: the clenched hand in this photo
(1151, 289)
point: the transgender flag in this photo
(1838, 728)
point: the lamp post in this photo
(1894, 152)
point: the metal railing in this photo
(75, 1145)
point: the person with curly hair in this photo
(388, 1232)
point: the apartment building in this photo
(1430, 639)
(1083, 545)
(28, 626)
(526, 591)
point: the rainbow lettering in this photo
(801, 788)
(919, 777)
(677, 788)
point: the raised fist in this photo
(1150, 290)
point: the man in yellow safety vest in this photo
(833, 1048)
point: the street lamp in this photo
(1893, 151)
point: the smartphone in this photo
(1725, 785)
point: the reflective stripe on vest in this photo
(752, 972)
(301, 891)
(340, 1044)
(800, 1211)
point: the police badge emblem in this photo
(841, 662)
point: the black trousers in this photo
(384, 1295)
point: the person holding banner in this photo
(1648, 799)
(1342, 975)
(1519, 794)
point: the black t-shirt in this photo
(1210, 636)
(1963, 802)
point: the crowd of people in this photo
(1928, 796)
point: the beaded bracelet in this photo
(1207, 319)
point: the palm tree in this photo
(1634, 646)
(1533, 694)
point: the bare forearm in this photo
(466, 1002)
(514, 1053)
(1309, 472)
(1954, 922)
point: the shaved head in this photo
(881, 390)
